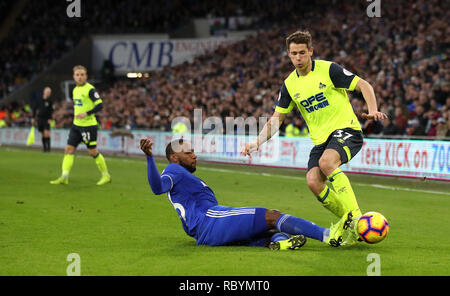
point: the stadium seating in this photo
(409, 71)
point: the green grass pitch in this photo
(123, 229)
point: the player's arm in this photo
(158, 184)
(270, 128)
(98, 105)
(283, 106)
(369, 96)
(342, 78)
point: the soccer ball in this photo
(372, 227)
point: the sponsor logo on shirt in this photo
(315, 102)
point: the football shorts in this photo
(347, 142)
(227, 225)
(83, 134)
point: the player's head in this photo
(300, 50)
(80, 74)
(180, 151)
(47, 93)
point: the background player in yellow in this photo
(86, 102)
(318, 88)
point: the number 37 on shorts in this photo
(342, 134)
(350, 141)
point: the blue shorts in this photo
(227, 225)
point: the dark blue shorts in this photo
(227, 225)
(83, 134)
(347, 142)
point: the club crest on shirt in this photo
(348, 73)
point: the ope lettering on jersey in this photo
(321, 100)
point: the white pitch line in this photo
(407, 189)
(379, 186)
(303, 178)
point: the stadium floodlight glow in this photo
(134, 75)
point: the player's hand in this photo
(249, 148)
(81, 115)
(146, 146)
(374, 115)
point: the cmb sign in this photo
(147, 54)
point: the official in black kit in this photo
(43, 116)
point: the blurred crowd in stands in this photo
(43, 33)
(404, 54)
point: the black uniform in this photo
(44, 112)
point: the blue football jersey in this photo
(189, 195)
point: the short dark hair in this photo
(299, 37)
(169, 149)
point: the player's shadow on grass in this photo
(182, 246)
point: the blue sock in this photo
(279, 236)
(294, 225)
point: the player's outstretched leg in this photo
(330, 201)
(284, 241)
(316, 180)
(297, 226)
(344, 190)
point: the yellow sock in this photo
(67, 164)
(101, 164)
(330, 201)
(344, 192)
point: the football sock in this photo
(67, 164)
(344, 191)
(279, 236)
(330, 201)
(101, 164)
(46, 144)
(294, 225)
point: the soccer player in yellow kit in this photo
(318, 89)
(87, 102)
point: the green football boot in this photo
(351, 236)
(338, 230)
(104, 180)
(293, 243)
(61, 180)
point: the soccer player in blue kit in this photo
(214, 225)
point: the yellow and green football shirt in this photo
(321, 98)
(85, 99)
